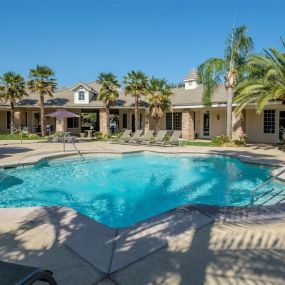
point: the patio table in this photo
(89, 133)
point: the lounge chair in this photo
(146, 138)
(135, 137)
(16, 274)
(174, 138)
(158, 140)
(124, 137)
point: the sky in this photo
(80, 38)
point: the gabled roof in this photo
(192, 75)
(85, 86)
(64, 98)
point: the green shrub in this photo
(221, 140)
(166, 138)
(19, 137)
(226, 141)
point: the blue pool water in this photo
(120, 190)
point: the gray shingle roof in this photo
(65, 98)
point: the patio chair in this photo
(174, 138)
(16, 274)
(146, 138)
(158, 139)
(123, 138)
(135, 137)
(69, 138)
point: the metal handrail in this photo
(253, 192)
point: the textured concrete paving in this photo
(191, 245)
(13, 152)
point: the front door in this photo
(206, 124)
(281, 124)
(133, 122)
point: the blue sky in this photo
(79, 39)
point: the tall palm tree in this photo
(230, 69)
(108, 93)
(265, 81)
(136, 85)
(42, 82)
(159, 99)
(12, 88)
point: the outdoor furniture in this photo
(16, 274)
(182, 142)
(89, 133)
(158, 139)
(135, 137)
(174, 138)
(124, 137)
(82, 135)
(146, 138)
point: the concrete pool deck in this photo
(189, 245)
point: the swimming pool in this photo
(121, 190)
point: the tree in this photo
(159, 99)
(265, 80)
(108, 93)
(230, 69)
(12, 89)
(42, 82)
(136, 85)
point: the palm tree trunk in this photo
(136, 113)
(157, 124)
(229, 111)
(42, 115)
(108, 119)
(12, 122)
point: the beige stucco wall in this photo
(129, 113)
(254, 128)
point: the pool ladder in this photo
(253, 192)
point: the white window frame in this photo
(81, 92)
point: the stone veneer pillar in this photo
(188, 125)
(238, 123)
(103, 122)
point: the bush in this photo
(221, 141)
(226, 141)
(19, 137)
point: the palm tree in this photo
(158, 99)
(265, 81)
(108, 93)
(136, 85)
(230, 69)
(42, 82)
(12, 88)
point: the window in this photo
(269, 122)
(125, 121)
(174, 121)
(72, 123)
(8, 120)
(26, 119)
(81, 95)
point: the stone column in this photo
(238, 122)
(188, 125)
(102, 120)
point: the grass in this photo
(19, 137)
(198, 143)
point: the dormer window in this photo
(81, 95)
